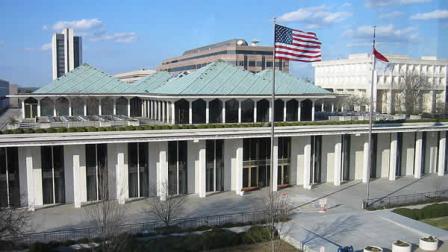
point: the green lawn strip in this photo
(441, 222)
(427, 212)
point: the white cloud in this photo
(435, 14)
(45, 47)
(393, 14)
(383, 3)
(315, 17)
(385, 34)
(81, 24)
(119, 37)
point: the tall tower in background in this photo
(66, 52)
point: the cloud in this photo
(435, 14)
(45, 47)
(393, 14)
(315, 17)
(81, 24)
(119, 37)
(385, 34)
(383, 3)
(93, 29)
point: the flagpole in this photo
(369, 158)
(272, 111)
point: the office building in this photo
(66, 52)
(238, 52)
(353, 76)
(4, 91)
(208, 132)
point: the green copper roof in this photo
(217, 78)
(220, 78)
(84, 79)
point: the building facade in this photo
(66, 51)
(4, 92)
(227, 147)
(237, 52)
(353, 76)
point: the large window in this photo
(256, 162)
(177, 167)
(316, 164)
(53, 186)
(9, 177)
(284, 154)
(346, 139)
(138, 170)
(96, 171)
(215, 166)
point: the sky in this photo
(122, 35)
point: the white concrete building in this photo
(66, 49)
(226, 147)
(353, 76)
(133, 76)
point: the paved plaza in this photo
(345, 223)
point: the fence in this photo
(146, 228)
(403, 200)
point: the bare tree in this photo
(413, 85)
(352, 100)
(107, 216)
(13, 222)
(168, 209)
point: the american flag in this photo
(296, 45)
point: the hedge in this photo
(207, 126)
(427, 212)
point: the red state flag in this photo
(379, 56)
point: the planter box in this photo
(428, 245)
(401, 246)
(373, 249)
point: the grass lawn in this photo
(262, 246)
(441, 222)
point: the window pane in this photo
(47, 175)
(58, 161)
(132, 170)
(143, 163)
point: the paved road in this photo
(345, 223)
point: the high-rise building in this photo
(237, 52)
(66, 52)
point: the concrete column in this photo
(114, 104)
(54, 107)
(190, 112)
(99, 107)
(173, 113)
(284, 110)
(299, 111)
(322, 107)
(117, 155)
(38, 108)
(163, 111)
(270, 110)
(30, 177)
(200, 167)
(239, 111)
(239, 167)
(85, 106)
(442, 154)
(207, 111)
(70, 113)
(418, 155)
(156, 110)
(365, 165)
(255, 111)
(307, 163)
(393, 155)
(337, 162)
(332, 107)
(223, 111)
(162, 171)
(275, 165)
(23, 108)
(313, 111)
(75, 174)
(129, 106)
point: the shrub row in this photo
(203, 126)
(427, 212)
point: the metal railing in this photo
(153, 227)
(403, 200)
